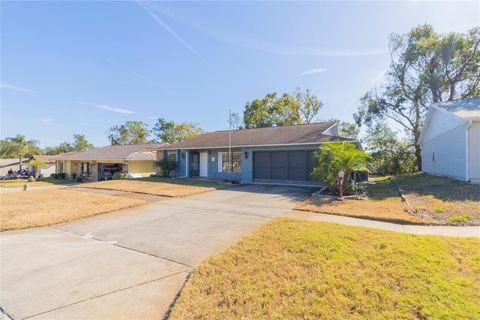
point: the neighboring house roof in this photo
(445, 116)
(116, 152)
(282, 135)
(8, 162)
(467, 109)
(50, 158)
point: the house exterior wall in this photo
(145, 168)
(214, 172)
(474, 152)
(440, 123)
(4, 170)
(48, 170)
(445, 154)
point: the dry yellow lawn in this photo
(147, 187)
(384, 205)
(20, 210)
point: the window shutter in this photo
(220, 162)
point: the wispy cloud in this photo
(16, 88)
(113, 109)
(313, 71)
(45, 120)
(272, 48)
(175, 35)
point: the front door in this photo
(203, 164)
(195, 164)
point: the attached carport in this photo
(289, 166)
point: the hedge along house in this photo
(280, 155)
(450, 140)
(101, 163)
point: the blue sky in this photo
(81, 67)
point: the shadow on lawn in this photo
(441, 188)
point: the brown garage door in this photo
(283, 165)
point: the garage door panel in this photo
(279, 165)
(311, 163)
(297, 165)
(261, 165)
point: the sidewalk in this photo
(468, 231)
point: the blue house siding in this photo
(246, 174)
(213, 171)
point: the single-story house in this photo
(283, 154)
(9, 164)
(101, 163)
(49, 160)
(450, 140)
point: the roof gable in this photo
(437, 122)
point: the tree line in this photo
(425, 67)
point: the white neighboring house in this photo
(450, 140)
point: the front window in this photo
(172, 156)
(232, 162)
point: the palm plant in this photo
(36, 165)
(334, 158)
(19, 147)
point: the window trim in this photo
(230, 161)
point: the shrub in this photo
(336, 157)
(62, 176)
(79, 179)
(73, 176)
(31, 179)
(54, 176)
(120, 176)
(166, 165)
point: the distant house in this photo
(283, 154)
(9, 164)
(451, 140)
(50, 162)
(101, 163)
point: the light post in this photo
(341, 176)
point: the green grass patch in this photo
(292, 269)
(460, 218)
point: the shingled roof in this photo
(467, 109)
(116, 152)
(282, 135)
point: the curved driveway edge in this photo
(468, 231)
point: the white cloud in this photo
(313, 71)
(113, 109)
(16, 88)
(45, 120)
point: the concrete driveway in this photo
(130, 264)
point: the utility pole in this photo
(230, 163)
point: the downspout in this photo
(467, 152)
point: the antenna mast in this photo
(230, 158)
